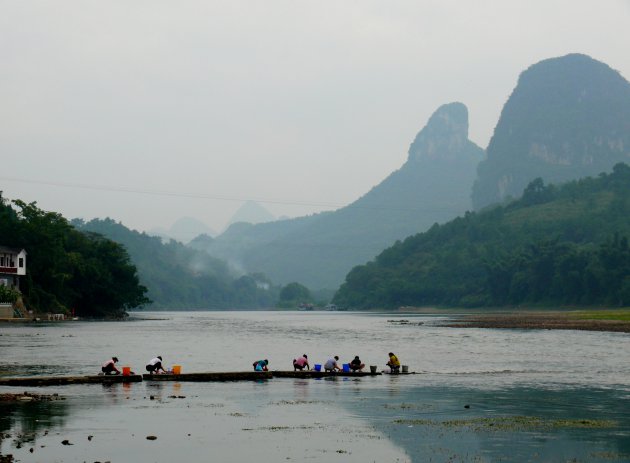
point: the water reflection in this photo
(301, 389)
(515, 424)
(340, 419)
(425, 423)
(22, 422)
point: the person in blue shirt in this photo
(261, 365)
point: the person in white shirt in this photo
(331, 364)
(155, 365)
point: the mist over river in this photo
(480, 395)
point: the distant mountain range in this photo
(251, 212)
(432, 186)
(567, 118)
(187, 229)
(183, 230)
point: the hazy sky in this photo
(148, 111)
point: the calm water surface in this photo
(482, 395)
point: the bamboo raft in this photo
(65, 380)
(322, 374)
(184, 377)
(211, 377)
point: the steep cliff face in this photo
(567, 118)
(436, 180)
(432, 186)
(444, 137)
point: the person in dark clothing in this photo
(356, 364)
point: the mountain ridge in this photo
(318, 250)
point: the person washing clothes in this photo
(155, 365)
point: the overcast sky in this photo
(148, 111)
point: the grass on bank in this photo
(609, 314)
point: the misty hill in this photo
(554, 246)
(567, 118)
(177, 276)
(251, 212)
(184, 230)
(201, 242)
(432, 186)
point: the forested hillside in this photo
(181, 277)
(564, 245)
(67, 270)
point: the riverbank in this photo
(587, 320)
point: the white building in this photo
(12, 266)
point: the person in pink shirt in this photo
(300, 363)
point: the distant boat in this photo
(304, 307)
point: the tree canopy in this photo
(68, 270)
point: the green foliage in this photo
(8, 294)
(555, 246)
(68, 270)
(181, 277)
(293, 294)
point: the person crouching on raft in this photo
(393, 363)
(356, 364)
(300, 363)
(332, 365)
(109, 367)
(155, 365)
(261, 365)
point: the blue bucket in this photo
(317, 367)
(346, 367)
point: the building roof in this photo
(11, 250)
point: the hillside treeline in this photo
(554, 246)
(179, 277)
(68, 270)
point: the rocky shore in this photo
(28, 397)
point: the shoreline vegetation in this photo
(588, 320)
(612, 320)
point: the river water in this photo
(480, 395)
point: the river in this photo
(479, 395)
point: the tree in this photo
(67, 269)
(293, 294)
